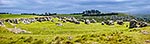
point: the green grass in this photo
(5, 16)
(49, 32)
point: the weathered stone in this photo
(70, 37)
(144, 32)
(133, 24)
(109, 22)
(93, 21)
(77, 22)
(59, 24)
(102, 23)
(64, 21)
(1, 23)
(52, 20)
(87, 21)
(26, 22)
(17, 30)
(8, 20)
(16, 21)
(147, 41)
(143, 24)
(120, 22)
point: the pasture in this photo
(6, 16)
(49, 33)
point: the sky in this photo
(75, 6)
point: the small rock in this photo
(70, 37)
(94, 42)
(59, 24)
(144, 32)
(147, 41)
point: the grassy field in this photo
(49, 33)
(5, 16)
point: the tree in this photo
(91, 12)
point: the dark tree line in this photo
(4, 13)
(91, 12)
(96, 13)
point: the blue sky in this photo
(73, 6)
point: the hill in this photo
(49, 33)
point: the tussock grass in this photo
(49, 33)
(46, 32)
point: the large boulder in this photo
(102, 23)
(73, 19)
(93, 21)
(147, 41)
(120, 22)
(32, 20)
(9, 21)
(59, 24)
(18, 31)
(133, 23)
(142, 24)
(52, 20)
(47, 18)
(109, 22)
(16, 21)
(77, 22)
(26, 21)
(87, 21)
(1, 23)
(64, 21)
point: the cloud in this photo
(1, 2)
(71, 6)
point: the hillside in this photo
(49, 33)
(5, 16)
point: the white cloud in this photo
(69, 6)
(121, 0)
